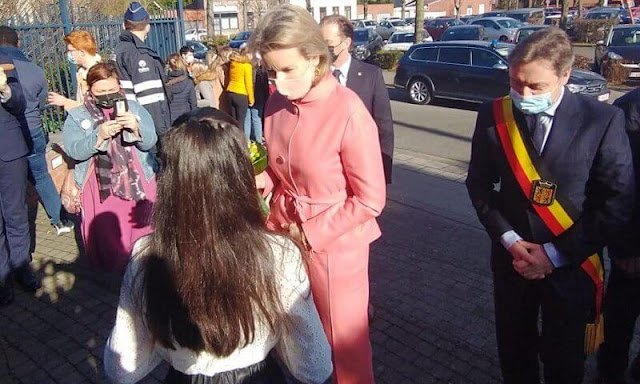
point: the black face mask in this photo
(108, 101)
(332, 54)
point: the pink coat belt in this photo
(299, 200)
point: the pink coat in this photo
(325, 167)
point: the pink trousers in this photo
(340, 286)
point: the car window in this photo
(626, 36)
(460, 34)
(361, 35)
(510, 23)
(425, 54)
(484, 23)
(483, 58)
(398, 23)
(454, 55)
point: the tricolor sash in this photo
(555, 212)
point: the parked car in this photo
(388, 27)
(622, 42)
(555, 19)
(468, 19)
(366, 42)
(603, 13)
(472, 70)
(401, 41)
(239, 39)
(199, 50)
(410, 20)
(527, 30)
(499, 28)
(464, 32)
(192, 34)
(525, 14)
(498, 13)
(371, 24)
(436, 27)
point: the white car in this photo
(368, 24)
(401, 41)
(191, 34)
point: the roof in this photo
(494, 18)
(470, 43)
(474, 26)
(524, 10)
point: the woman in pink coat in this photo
(326, 175)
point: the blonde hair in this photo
(290, 26)
(225, 54)
(176, 62)
(198, 68)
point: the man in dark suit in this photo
(551, 179)
(364, 79)
(14, 224)
(622, 303)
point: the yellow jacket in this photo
(241, 79)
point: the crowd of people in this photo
(163, 183)
(167, 195)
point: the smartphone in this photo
(121, 107)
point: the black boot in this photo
(27, 279)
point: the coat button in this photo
(280, 160)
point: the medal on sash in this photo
(543, 192)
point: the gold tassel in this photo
(593, 336)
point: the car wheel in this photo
(420, 91)
(503, 38)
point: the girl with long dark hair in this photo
(212, 291)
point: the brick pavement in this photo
(430, 285)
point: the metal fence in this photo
(41, 31)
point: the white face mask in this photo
(298, 87)
(189, 59)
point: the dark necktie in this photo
(336, 74)
(536, 130)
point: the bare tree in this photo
(366, 8)
(211, 19)
(309, 7)
(457, 4)
(419, 32)
(565, 13)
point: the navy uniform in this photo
(142, 73)
(14, 224)
(587, 158)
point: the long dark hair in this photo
(209, 273)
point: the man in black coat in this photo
(14, 224)
(622, 303)
(364, 79)
(551, 179)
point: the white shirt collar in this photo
(344, 70)
(552, 110)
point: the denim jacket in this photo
(80, 135)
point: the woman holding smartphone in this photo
(110, 140)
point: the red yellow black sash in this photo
(526, 167)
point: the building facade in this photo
(322, 8)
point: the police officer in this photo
(141, 70)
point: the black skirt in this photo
(264, 372)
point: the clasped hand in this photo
(530, 260)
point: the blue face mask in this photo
(533, 104)
(71, 58)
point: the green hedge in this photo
(388, 59)
(216, 41)
(590, 31)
